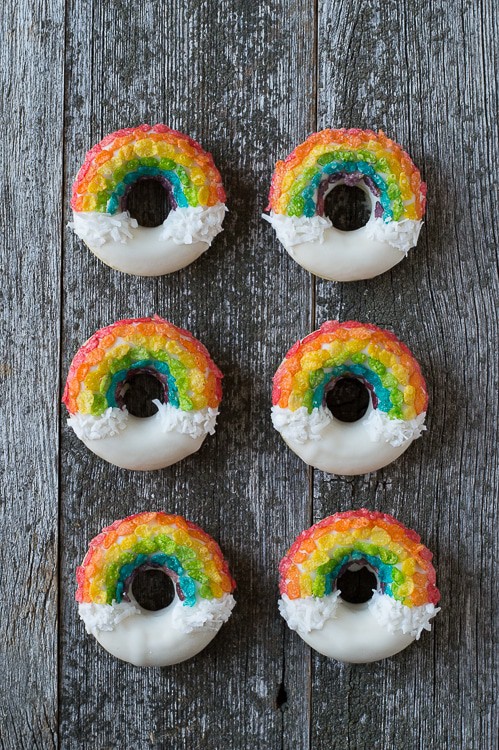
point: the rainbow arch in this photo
(300, 181)
(188, 554)
(190, 378)
(362, 350)
(319, 555)
(122, 158)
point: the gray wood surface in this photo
(31, 186)
(249, 80)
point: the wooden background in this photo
(250, 80)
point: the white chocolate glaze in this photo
(353, 634)
(144, 446)
(158, 639)
(345, 448)
(119, 242)
(337, 255)
(195, 423)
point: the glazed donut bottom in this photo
(345, 256)
(143, 446)
(355, 636)
(150, 640)
(345, 448)
(146, 254)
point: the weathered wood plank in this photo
(30, 197)
(421, 72)
(222, 72)
(241, 76)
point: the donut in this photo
(362, 158)
(103, 372)
(358, 586)
(198, 601)
(194, 188)
(349, 398)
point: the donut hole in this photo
(148, 201)
(152, 589)
(348, 207)
(357, 583)
(348, 399)
(138, 391)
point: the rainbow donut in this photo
(349, 398)
(198, 602)
(195, 192)
(102, 373)
(358, 586)
(362, 158)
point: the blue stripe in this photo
(113, 204)
(383, 571)
(348, 167)
(160, 367)
(382, 393)
(186, 584)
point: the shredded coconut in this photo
(206, 614)
(194, 224)
(394, 431)
(88, 427)
(96, 229)
(398, 618)
(194, 423)
(400, 234)
(299, 425)
(105, 616)
(294, 230)
(310, 613)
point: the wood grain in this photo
(249, 81)
(223, 75)
(30, 198)
(429, 90)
